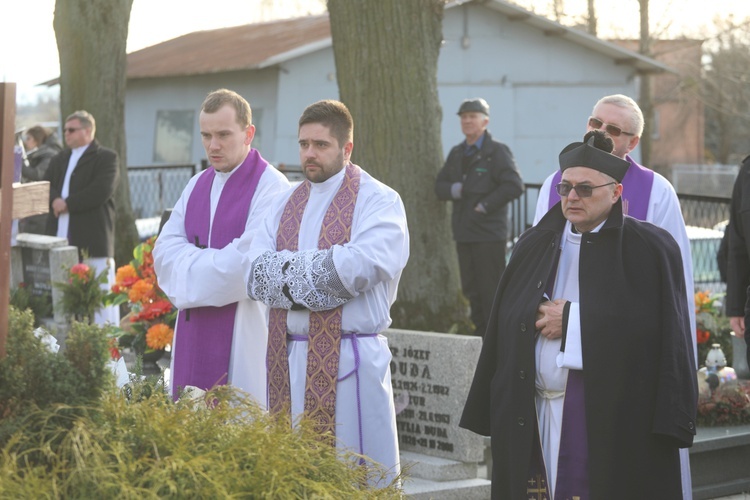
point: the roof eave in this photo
(300, 51)
(642, 64)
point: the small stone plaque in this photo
(431, 374)
(36, 271)
(38, 261)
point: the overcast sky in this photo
(28, 50)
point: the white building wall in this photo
(541, 89)
(302, 81)
(148, 96)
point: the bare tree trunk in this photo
(559, 8)
(592, 20)
(645, 101)
(386, 55)
(91, 39)
(726, 92)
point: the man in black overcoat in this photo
(586, 381)
(737, 239)
(83, 179)
(480, 178)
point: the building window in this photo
(173, 139)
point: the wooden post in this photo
(7, 169)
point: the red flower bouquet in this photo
(82, 294)
(149, 326)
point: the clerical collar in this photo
(333, 182)
(570, 236)
(224, 176)
(595, 230)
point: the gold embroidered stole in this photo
(324, 338)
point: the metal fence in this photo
(705, 218)
(156, 188)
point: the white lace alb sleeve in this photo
(266, 282)
(313, 281)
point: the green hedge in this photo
(68, 432)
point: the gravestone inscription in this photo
(37, 261)
(431, 374)
(36, 271)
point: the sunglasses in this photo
(70, 130)
(582, 190)
(612, 130)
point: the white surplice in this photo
(663, 211)
(369, 267)
(194, 277)
(552, 368)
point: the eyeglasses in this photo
(612, 130)
(582, 190)
(70, 130)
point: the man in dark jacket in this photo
(83, 179)
(586, 380)
(480, 177)
(738, 253)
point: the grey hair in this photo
(87, 120)
(625, 102)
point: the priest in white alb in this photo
(199, 255)
(328, 263)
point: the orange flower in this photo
(703, 302)
(142, 291)
(159, 336)
(126, 276)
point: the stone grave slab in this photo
(431, 374)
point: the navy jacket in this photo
(491, 178)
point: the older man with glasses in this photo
(646, 196)
(586, 381)
(82, 180)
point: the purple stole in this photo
(201, 356)
(573, 460)
(325, 326)
(636, 190)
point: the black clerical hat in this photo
(585, 154)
